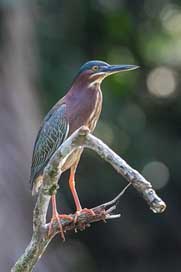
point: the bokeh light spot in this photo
(157, 173)
(171, 19)
(161, 82)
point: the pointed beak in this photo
(111, 69)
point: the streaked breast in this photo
(94, 117)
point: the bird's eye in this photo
(95, 68)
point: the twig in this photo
(40, 238)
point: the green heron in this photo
(80, 106)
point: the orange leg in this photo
(73, 190)
(56, 218)
(75, 195)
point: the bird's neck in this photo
(83, 93)
(84, 103)
(83, 85)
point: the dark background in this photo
(42, 45)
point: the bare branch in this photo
(134, 177)
(52, 172)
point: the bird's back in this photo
(79, 107)
(51, 135)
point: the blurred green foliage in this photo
(141, 121)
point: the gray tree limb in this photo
(41, 238)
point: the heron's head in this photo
(95, 71)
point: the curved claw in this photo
(56, 218)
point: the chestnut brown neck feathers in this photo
(84, 103)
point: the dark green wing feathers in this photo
(51, 135)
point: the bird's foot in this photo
(56, 218)
(83, 211)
